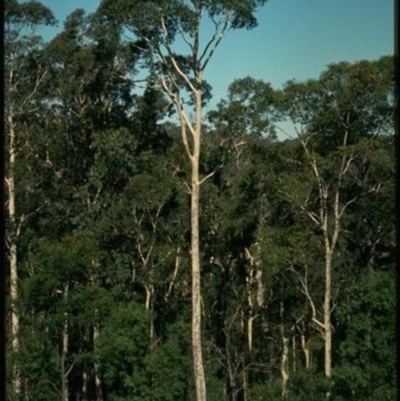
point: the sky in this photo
(295, 39)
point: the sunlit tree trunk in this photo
(195, 250)
(12, 249)
(306, 351)
(294, 353)
(285, 354)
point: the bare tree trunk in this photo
(331, 232)
(195, 248)
(150, 306)
(285, 354)
(306, 351)
(249, 285)
(245, 386)
(12, 239)
(64, 353)
(327, 317)
(97, 380)
(85, 381)
(294, 353)
(254, 276)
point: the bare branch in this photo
(216, 39)
(182, 74)
(210, 175)
(304, 285)
(184, 37)
(344, 207)
(175, 273)
(39, 79)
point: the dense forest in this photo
(121, 228)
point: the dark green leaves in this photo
(252, 108)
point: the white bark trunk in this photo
(327, 318)
(306, 351)
(64, 353)
(331, 232)
(97, 380)
(249, 285)
(13, 258)
(285, 354)
(294, 353)
(195, 248)
(149, 306)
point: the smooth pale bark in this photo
(193, 153)
(253, 278)
(64, 353)
(169, 80)
(329, 220)
(195, 251)
(294, 353)
(13, 108)
(97, 379)
(285, 354)
(327, 319)
(284, 364)
(251, 317)
(13, 258)
(306, 351)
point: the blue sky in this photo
(295, 39)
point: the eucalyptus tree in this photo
(158, 28)
(341, 117)
(25, 74)
(91, 154)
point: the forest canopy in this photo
(297, 234)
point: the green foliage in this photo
(347, 97)
(40, 365)
(168, 366)
(365, 329)
(251, 109)
(103, 213)
(27, 14)
(122, 347)
(308, 386)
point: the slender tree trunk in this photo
(12, 237)
(96, 332)
(85, 383)
(330, 247)
(285, 355)
(250, 318)
(64, 353)
(193, 152)
(330, 242)
(294, 353)
(196, 292)
(327, 317)
(254, 276)
(150, 307)
(306, 351)
(195, 248)
(97, 380)
(245, 386)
